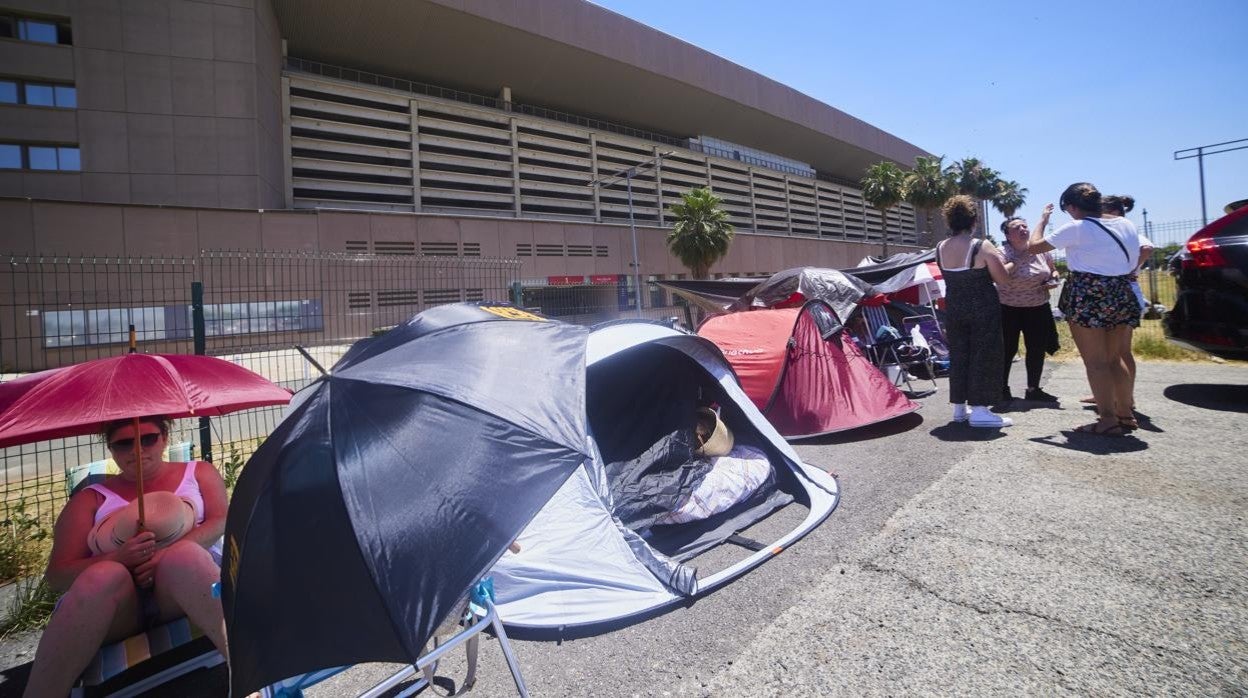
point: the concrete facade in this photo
(178, 103)
(183, 121)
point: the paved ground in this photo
(964, 561)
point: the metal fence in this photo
(257, 307)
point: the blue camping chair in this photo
(478, 615)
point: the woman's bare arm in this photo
(70, 553)
(1036, 243)
(995, 264)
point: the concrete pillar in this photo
(414, 115)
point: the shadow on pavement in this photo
(1210, 396)
(892, 427)
(954, 431)
(1094, 444)
(1019, 405)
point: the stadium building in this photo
(454, 128)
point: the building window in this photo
(43, 31)
(39, 94)
(79, 327)
(10, 156)
(63, 158)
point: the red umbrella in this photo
(78, 400)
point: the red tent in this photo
(798, 367)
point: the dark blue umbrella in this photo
(393, 484)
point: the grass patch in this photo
(30, 607)
(25, 543)
(1148, 343)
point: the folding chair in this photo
(479, 614)
(890, 351)
(926, 328)
(141, 662)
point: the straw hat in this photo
(713, 435)
(168, 516)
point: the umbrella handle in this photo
(138, 464)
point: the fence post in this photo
(201, 348)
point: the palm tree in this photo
(883, 188)
(701, 234)
(1009, 198)
(977, 180)
(928, 186)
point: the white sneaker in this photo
(981, 416)
(959, 413)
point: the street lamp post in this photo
(627, 175)
(1199, 153)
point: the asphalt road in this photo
(962, 561)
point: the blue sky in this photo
(1047, 93)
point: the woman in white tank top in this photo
(110, 596)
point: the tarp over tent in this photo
(715, 296)
(798, 367)
(579, 564)
(788, 288)
(874, 270)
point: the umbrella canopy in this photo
(77, 400)
(394, 483)
(920, 284)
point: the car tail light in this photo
(1204, 252)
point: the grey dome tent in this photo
(582, 564)
(400, 478)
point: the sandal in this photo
(1095, 429)
(1128, 423)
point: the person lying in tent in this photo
(120, 579)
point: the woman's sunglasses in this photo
(147, 440)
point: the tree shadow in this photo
(1210, 396)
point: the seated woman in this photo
(115, 594)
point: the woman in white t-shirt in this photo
(1098, 301)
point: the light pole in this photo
(627, 175)
(1199, 153)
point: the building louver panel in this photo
(365, 147)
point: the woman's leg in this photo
(101, 605)
(1099, 360)
(1124, 374)
(957, 333)
(1010, 327)
(183, 586)
(1035, 335)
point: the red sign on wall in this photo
(565, 280)
(604, 279)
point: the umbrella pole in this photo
(138, 446)
(138, 464)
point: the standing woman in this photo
(1025, 305)
(1100, 306)
(972, 316)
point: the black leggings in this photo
(1036, 324)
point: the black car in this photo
(1211, 310)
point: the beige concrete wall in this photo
(178, 103)
(73, 228)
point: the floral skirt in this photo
(1092, 300)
